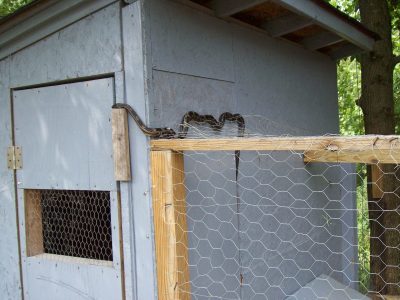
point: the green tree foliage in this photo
(9, 6)
(349, 87)
(349, 90)
(395, 11)
(351, 123)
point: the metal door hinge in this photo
(14, 157)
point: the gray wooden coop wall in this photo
(200, 63)
(192, 61)
(87, 48)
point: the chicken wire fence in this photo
(67, 224)
(268, 225)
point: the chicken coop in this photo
(177, 149)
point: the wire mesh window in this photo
(69, 223)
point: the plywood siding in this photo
(200, 63)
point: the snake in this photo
(189, 117)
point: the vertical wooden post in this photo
(170, 228)
(120, 139)
(33, 223)
(377, 180)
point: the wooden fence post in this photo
(170, 228)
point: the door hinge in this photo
(14, 157)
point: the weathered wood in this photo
(170, 228)
(377, 180)
(120, 138)
(349, 156)
(364, 149)
(33, 223)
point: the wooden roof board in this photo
(261, 13)
(299, 35)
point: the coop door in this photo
(68, 203)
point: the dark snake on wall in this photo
(189, 117)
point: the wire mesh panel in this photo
(270, 225)
(69, 223)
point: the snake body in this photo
(189, 117)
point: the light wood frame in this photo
(169, 197)
(170, 227)
(369, 149)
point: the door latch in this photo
(14, 158)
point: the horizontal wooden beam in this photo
(286, 24)
(330, 22)
(363, 149)
(226, 8)
(343, 51)
(321, 40)
(348, 156)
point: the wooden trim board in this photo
(33, 223)
(120, 139)
(369, 149)
(170, 227)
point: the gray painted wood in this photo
(136, 92)
(189, 42)
(65, 134)
(293, 91)
(321, 40)
(126, 212)
(89, 47)
(10, 284)
(176, 58)
(349, 225)
(51, 277)
(330, 21)
(327, 288)
(214, 256)
(175, 94)
(286, 24)
(57, 16)
(284, 84)
(224, 8)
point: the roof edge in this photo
(41, 18)
(23, 13)
(334, 21)
(347, 18)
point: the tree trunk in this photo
(377, 104)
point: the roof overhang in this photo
(41, 18)
(314, 24)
